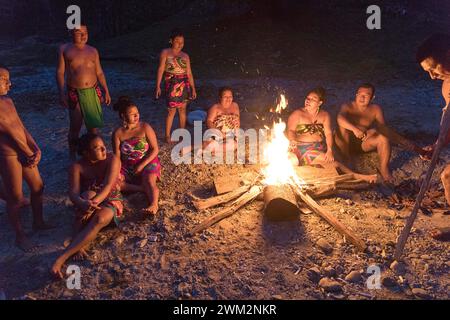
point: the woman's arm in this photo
(116, 143)
(212, 113)
(328, 137)
(159, 75)
(291, 126)
(110, 180)
(153, 143)
(191, 78)
(328, 132)
(74, 186)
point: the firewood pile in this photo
(281, 202)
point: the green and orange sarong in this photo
(90, 101)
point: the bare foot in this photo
(26, 202)
(186, 150)
(169, 140)
(387, 177)
(152, 210)
(80, 256)
(26, 245)
(370, 178)
(442, 234)
(55, 271)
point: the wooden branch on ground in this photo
(328, 216)
(354, 185)
(333, 179)
(247, 197)
(322, 190)
(202, 204)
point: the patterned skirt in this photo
(178, 90)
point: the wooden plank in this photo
(313, 173)
(202, 204)
(247, 197)
(332, 220)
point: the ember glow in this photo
(279, 169)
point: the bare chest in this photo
(80, 58)
(358, 118)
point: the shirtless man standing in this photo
(19, 157)
(80, 64)
(434, 58)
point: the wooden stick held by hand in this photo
(445, 124)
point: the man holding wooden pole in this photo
(434, 57)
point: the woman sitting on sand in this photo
(95, 191)
(225, 117)
(309, 130)
(175, 66)
(136, 145)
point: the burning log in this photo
(247, 197)
(328, 216)
(280, 203)
(202, 204)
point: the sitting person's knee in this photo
(445, 175)
(381, 139)
(103, 218)
(38, 189)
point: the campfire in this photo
(284, 187)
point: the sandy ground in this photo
(244, 256)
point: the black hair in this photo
(437, 47)
(224, 89)
(123, 104)
(4, 68)
(82, 24)
(176, 33)
(85, 141)
(321, 93)
(367, 85)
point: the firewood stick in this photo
(326, 180)
(322, 190)
(354, 185)
(445, 123)
(202, 204)
(328, 216)
(247, 197)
